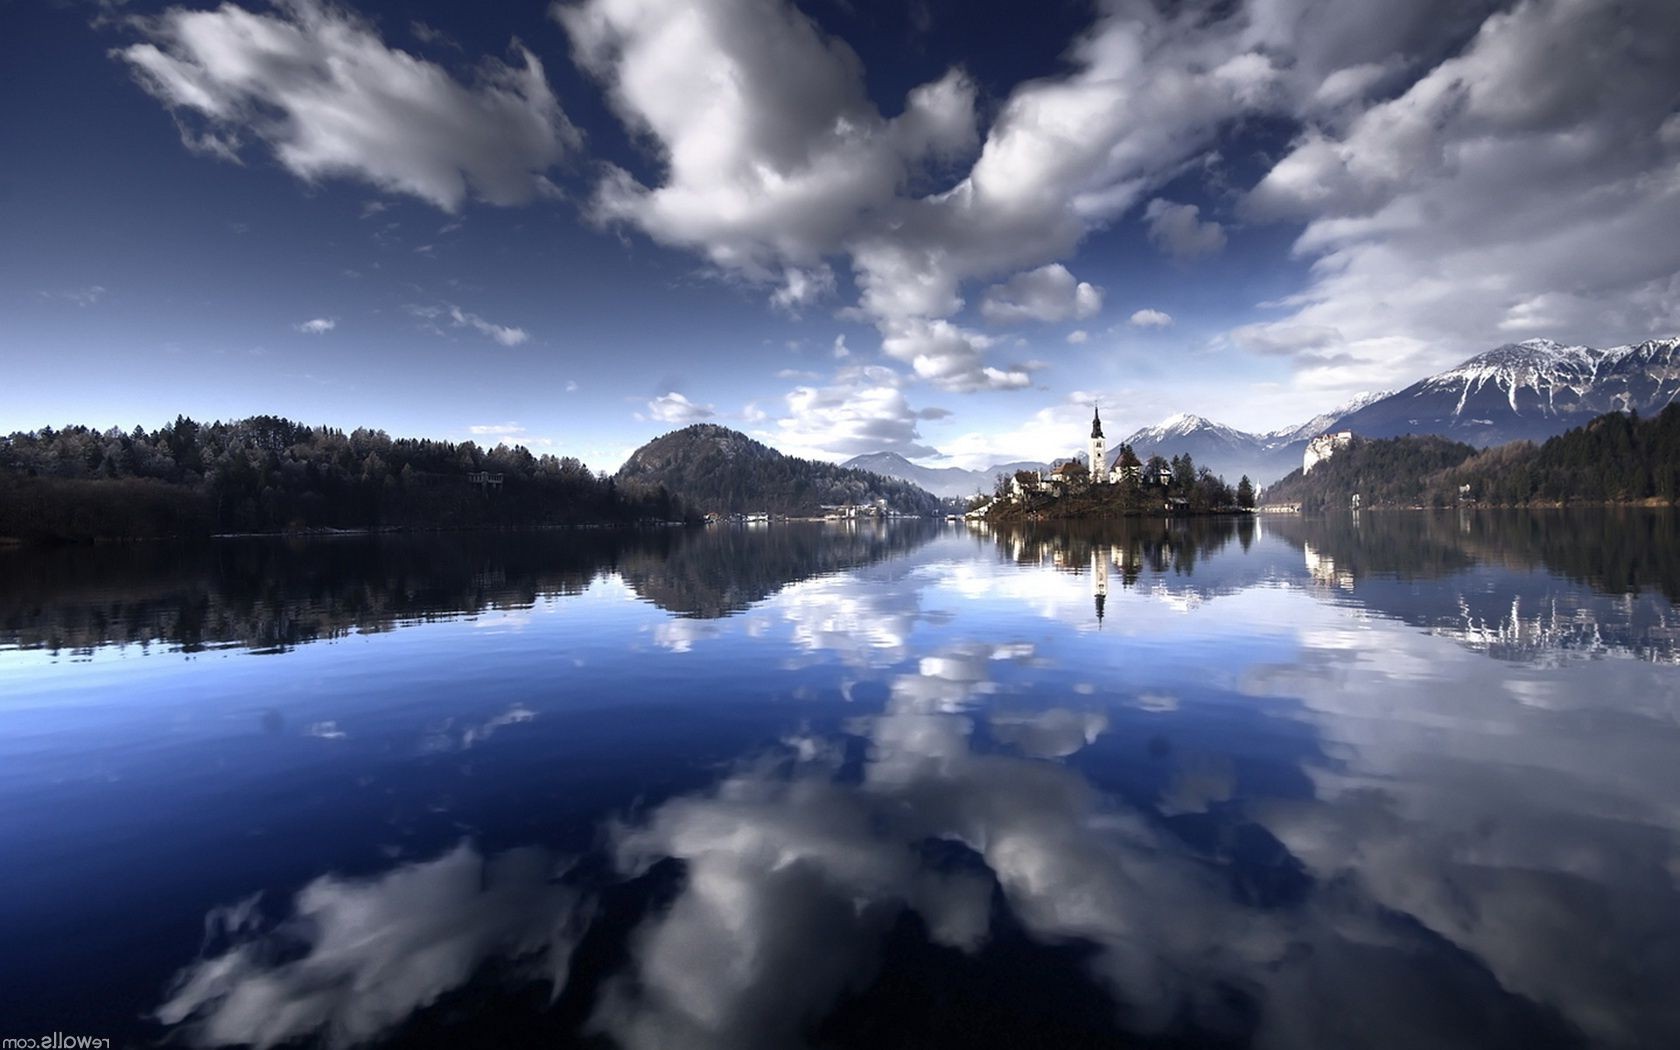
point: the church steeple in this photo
(1098, 453)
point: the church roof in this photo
(1096, 423)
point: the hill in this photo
(1616, 458)
(715, 469)
(1392, 472)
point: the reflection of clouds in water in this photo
(679, 634)
(780, 863)
(356, 957)
(1198, 782)
(446, 737)
(1053, 733)
(1156, 702)
(864, 620)
(1529, 815)
(512, 716)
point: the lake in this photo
(1382, 780)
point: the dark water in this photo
(1390, 781)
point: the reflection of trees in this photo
(1615, 550)
(1621, 561)
(274, 594)
(1131, 545)
(718, 571)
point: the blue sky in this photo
(937, 228)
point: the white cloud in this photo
(317, 86)
(950, 357)
(771, 163)
(317, 325)
(863, 409)
(776, 167)
(1078, 336)
(496, 429)
(506, 335)
(571, 386)
(802, 287)
(841, 350)
(678, 410)
(1147, 318)
(78, 296)
(1049, 293)
(1176, 230)
(1502, 192)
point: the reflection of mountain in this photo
(718, 571)
(274, 594)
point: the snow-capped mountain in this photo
(1222, 449)
(1324, 421)
(941, 481)
(1529, 390)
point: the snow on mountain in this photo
(1222, 449)
(1529, 390)
(1324, 421)
(953, 482)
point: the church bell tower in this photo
(1099, 448)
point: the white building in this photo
(1098, 463)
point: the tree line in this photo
(270, 474)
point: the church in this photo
(1094, 470)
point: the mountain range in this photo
(947, 482)
(1520, 391)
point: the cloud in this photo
(773, 160)
(1176, 230)
(1433, 149)
(802, 287)
(678, 410)
(87, 296)
(949, 356)
(317, 86)
(317, 325)
(1078, 336)
(1499, 193)
(495, 429)
(571, 386)
(506, 335)
(863, 409)
(1049, 293)
(1147, 318)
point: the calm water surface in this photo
(1384, 781)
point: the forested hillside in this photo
(1383, 472)
(1616, 458)
(713, 468)
(269, 474)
